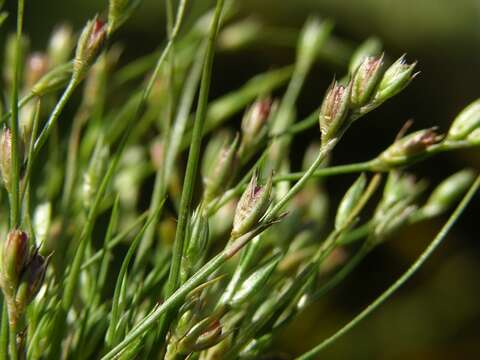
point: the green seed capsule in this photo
(448, 192)
(13, 260)
(334, 109)
(466, 122)
(365, 80)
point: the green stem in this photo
(324, 151)
(314, 353)
(12, 339)
(15, 143)
(179, 295)
(4, 332)
(193, 156)
(330, 171)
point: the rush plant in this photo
(232, 244)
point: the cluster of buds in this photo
(21, 273)
(193, 333)
(408, 149)
(251, 207)
(370, 86)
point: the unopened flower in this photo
(405, 149)
(334, 109)
(465, 123)
(255, 122)
(370, 47)
(13, 260)
(395, 79)
(89, 44)
(349, 202)
(252, 206)
(365, 80)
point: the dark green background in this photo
(436, 315)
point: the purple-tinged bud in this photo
(89, 45)
(252, 206)
(408, 147)
(395, 79)
(365, 80)
(37, 66)
(6, 156)
(334, 109)
(13, 260)
(254, 122)
(370, 47)
(466, 122)
(60, 45)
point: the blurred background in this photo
(436, 315)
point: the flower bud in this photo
(13, 260)
(37, 66)
(395, 79)
(52, 81)
(447, 193)
(408, 147)
(370, 47)
(197, 246)
(31, 280)
(222, 171)
(255, 123)
(89, 44)
(349, 202)
(334, 109)
(255, 281)
(365, 80)
(252, 206)
(60, 45)
(466, 122)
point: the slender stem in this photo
(4, 332)
(12, 339)
(330, 171)
(15, 143)
(313, 353)
(54, 116)
(194, 154)
(303, 179)
(175, 299)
